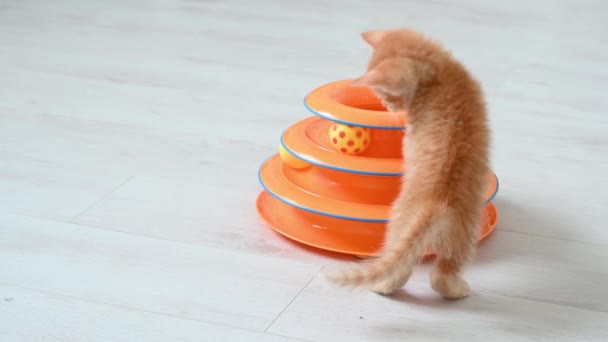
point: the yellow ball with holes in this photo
(292, 160)
(349, 139)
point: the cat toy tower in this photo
(338, 171)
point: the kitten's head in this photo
(400, 61)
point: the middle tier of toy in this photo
(355, 187)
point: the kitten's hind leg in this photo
(446, 281)
(456, 248)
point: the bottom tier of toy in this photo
(336, 234)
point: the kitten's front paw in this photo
(450, 286)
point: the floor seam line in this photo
(294, 298)
(153, 237)
(551, 237)
(540, 301)
(73, 219)
(139, 309)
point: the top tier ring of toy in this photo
(344, 103)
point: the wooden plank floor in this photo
(131, 133)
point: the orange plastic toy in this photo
(337, 200)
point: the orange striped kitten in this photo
(447, 151)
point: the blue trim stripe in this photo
(350, 218)
(331, 167)
(495, 191)
(324, 116)
(308, 209)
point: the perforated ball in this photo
(349, 139)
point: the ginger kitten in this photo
(447, 152)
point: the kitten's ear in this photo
(373, 37)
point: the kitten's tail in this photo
(399, 255)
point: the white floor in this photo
(131, 133)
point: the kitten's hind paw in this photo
(382, 288)
(448, 285)
(389, 286)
